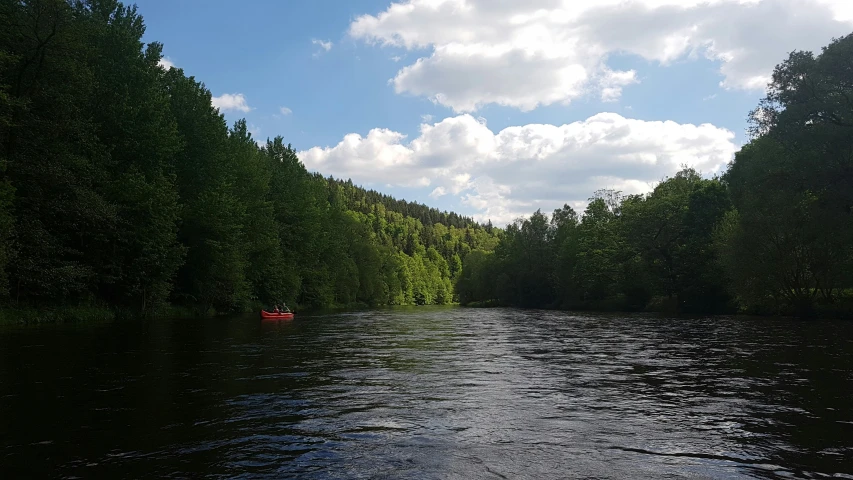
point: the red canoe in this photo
(276, 316)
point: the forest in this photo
(772, 235)
(123, 189)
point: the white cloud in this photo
(426, 118)
(438, 192)
(228, 101)
(285, 111)
(539, 52)
(515, 171)
(325, 45)
(166, 63)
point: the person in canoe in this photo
(281, 309)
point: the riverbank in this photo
(105, 314)
(840, 309)
(35, 316)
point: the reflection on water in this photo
(429, 393)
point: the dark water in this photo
(429, 393)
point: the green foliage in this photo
(627, 253)
(6, 229)
(671, 231)
(789, 248)
(785, 249)
(77, 314)
(476, 283)
(774, 235)
(121, 184)
(601, 246)
(7, 219)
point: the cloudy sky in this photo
(494, 108)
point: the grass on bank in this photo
(103, 314)
(90, 314)
(36, 316)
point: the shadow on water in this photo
(429, 392)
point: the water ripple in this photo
(431, 393)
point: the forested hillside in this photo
(772, 235)
(123, 187)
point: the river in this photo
(444, 393)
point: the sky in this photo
(494, 108)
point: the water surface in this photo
(440, 393)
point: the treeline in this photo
(772, 235)
(122, 186)
(362, 200)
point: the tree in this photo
(212, 213)
(476, 283)
(7, 193)
(791, 239)
(671, 230)
(780, 248)
(598, 271)
(263, 255)
(121, 184)
(565, 237)
(132, 118)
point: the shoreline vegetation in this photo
(124, 193)
(107, 314)
(771, 235)
(123, 188)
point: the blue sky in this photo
(481, 68)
